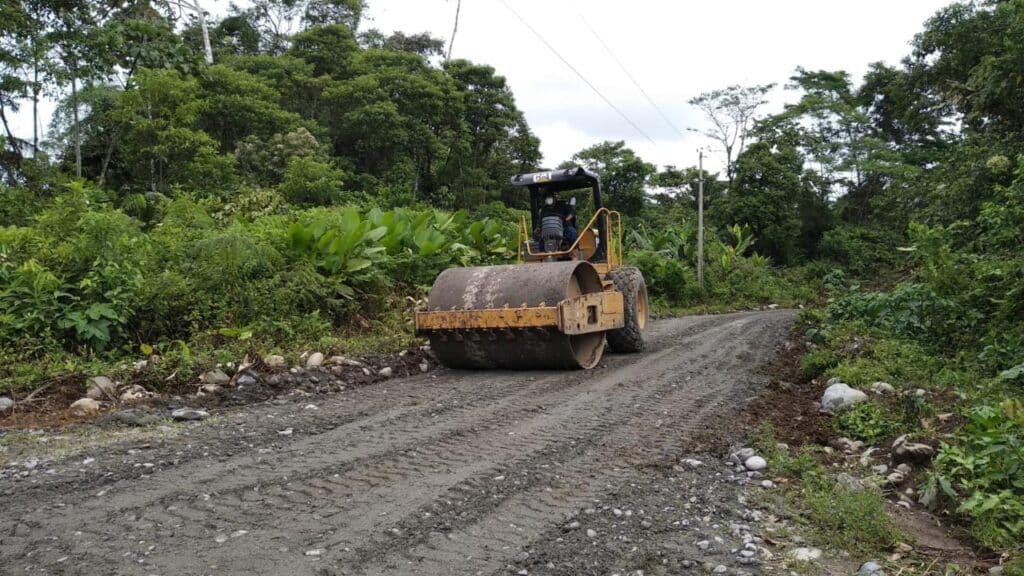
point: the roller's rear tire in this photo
(630, 338)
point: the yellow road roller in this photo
(557, 306)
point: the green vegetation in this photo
(88, 282)
(868, 422)
(954, 325)
(841, 516)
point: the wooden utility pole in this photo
(700, 218)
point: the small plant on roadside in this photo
(983, 464)
(867, 421)
(849, 519)
(783, 461)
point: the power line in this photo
(628, 75)
(573, 68)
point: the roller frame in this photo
(594, 312)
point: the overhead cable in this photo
(577, 72)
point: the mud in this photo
(443, 473)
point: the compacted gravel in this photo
(448, 472)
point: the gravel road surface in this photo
(444, 473)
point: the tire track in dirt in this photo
(383, 466)
(523, 516)
(200, 516)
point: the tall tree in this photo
(199, 14)
(624, 175)
(496, 141)
(831, 123)
(13, 84)
(678, 186)
(348, 13)
(79, 58)
(732, 112)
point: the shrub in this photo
(862, 250)
(868, 422)
(309, 181)
(982, 467)
(266, 162)
(666, 278)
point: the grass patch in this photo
(845, 518)
(838, 516)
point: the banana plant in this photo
(742, 241)
(343, 249)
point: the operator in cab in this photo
(558, 223)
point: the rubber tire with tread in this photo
(628, 339)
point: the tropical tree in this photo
(624, 175)
(732, 112)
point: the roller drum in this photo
(514, 286)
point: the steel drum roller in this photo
(514, 286)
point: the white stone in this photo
(742, 454)
(214, 377)
(839, 396)
(591, 533)
(386, 372)
(315, 360)
(767, 484)
(185, 414)
(805, 554)
(755, 463)
(6, 404)
(101, 388)
(870, 568)
(275, 361)
(903, 450)
(895, 478)
(85, 407)
(882, 388)
(134, 393)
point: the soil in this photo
(792, 402)
(441, 473)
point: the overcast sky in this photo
(675, 50)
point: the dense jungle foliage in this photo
(297, 189)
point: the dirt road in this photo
(444, 473)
